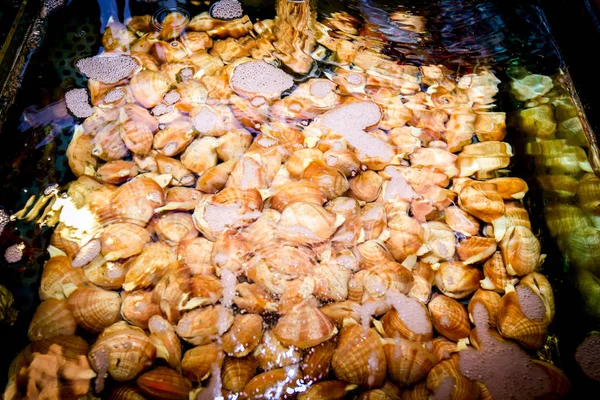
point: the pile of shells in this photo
(233, 232)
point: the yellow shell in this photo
(475, 249)
(513, 324)
(449, 371)
(95, 309)
(197, 363)
(407, 362)
(137, 308)
(237, 372)
(204, 325)
(304, 327)
(521, 251)
(164, 382)
(52, 318)
(59, 279)
(123, 240)
(482, 201)
(149, 87)
(244, 335)
(449, 317)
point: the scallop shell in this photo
(164, 383)
(197, 363)
(95, 309)
(407, 362)
(59, 279)
(148, 267)
(359, 357)
(166, 341)
(149, 87)
(137, 308)
(237, 372)
(294, 192)
(460, 221)
(521, 251)
(482, 201)
(123, 240)
(304, 327)
(244, 335)
(52, 318)
(316, 363)
(449, 317)
(332, 181)
(134, 202)
(513, 324)
(204, 325)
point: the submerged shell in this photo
(123, 240)
(95, 309)
(52, 318)
(304, 327)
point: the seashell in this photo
(440, 241)
(148, 267)
(194, 254)
(366, 186)
(490, 126)
(66, 239)
(280, 383)
(175, 168)
(52, 318)
(538, 284)
(331, 281)
(446, 381)
(174, 138)
(116, 37)
(561, 386)
(164, 383)
(173, 227)
(200, 155)
(105, 274)
(59, 279)
(233, 144)
(243, 337)
(214, 179)
(460, 221)
(514, 324)
(496, 276)
(173, 291)
(134, 202)
(332, 181)
(164, 338)
(202, 326)
(252, 114)
(137, 308)
(483, 158)
(345, 161)
(435, 159)
(301, 159)
(475, 249)
(123, 240)
(307, 223)
(416, 392)
(332, 390)
(423, 276)
(192, 94)
(107, 142)
(340, 311)
(137, 137)
(490, 300)
(253, 299)
(146, 163)
(94, 309)
(356, 287)
(230, 252)
(510, 188)
(140, 50)
(406, 237)
(296, 293)
(520, 251)
(587, 193)
(387, 277)
(407, 362)
(441, 348)
(482, 201)
(196, 41)
(117, 172)
(457, 280)
(359, 357)
(304, 327)
(140, 24)
(206, 290)
(294, 192)
(270, 353)
(409, 320)
(317, 361)
(197, 363)
(123, 351)
(148, 87)
(449, 317)
(126, 392)
(372, 254)
(237, 372)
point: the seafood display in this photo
(263, 213)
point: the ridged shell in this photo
(95, 309)
(278, 383)
(307, 223)
(123, 240)
(149, 87)
(388, 277)
(202, 326)
(588, 194)
(331, 180)
(330, 390)
(197, 363)
(482, 200)
(137, 308)
(490, 300)
(294, 192)
(402, 323)
(148, 267)
(181, 176)
(496, 276)
(513, 324)
(521, 251)
(174, 227)
(237, 372)
(174, 138)
(105, 274)
(59, 279)
(510, 188)
(460, 221)
(407, 362)
(475, 249)
(359, 357)
(372, 254)
(214, 179)
(244, 335)
(52, 318)
(449, 317)
(270, 353)
(446, 381)
(164, 383)
(316, 363)
(366, 186)
(253, 299)
(166, 341)
(304, 327)
(457, 280)
(134, 202)
(116, 172)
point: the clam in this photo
(174, 227)
(52, 318)
(406, 237)
(490, 126)
(407, 361)
(294, 192)
(587, 193)
(457, 280)
(409, 319)
(105, 274)
(146, 163)
(237, 372)
(164, 383)
(233, 144)
(316, 363)
(147, 268)
(95, 309)
(490, 300)
(522, 317)
(116, 172)
(496, 276)
(510, 188)
(253, 299)
(126, 392)
(244, 335)
(181, 176)
(297, 293)
(331, 281)
(423, 276)
(482, 200)
(270, 353)
(123, 351)
(137, 308)
(521, 251)
(441, 348)
(332, 390)
(460, 221)
(440, 240)
(345, 161)
(446, 381)
(483, 158)
(123, 240)
(206, 290)
(475, 249)
(330, 180)
(372, 254)
(304, 327)
(59, 279)
(172, 292)
(436, 159)
(214, 179)
(356, 287)
(134, 202)
(197, 363)
(200, 155)
(195, 254)
(231, 252)
(449, 317)
(280, 383)
(416, 392)
(307, 223)
(204, 325)
(166, 341)
(107, 142)
(148, 87)
(174, 138)
(359, 357)
(366, 186)
(302, 158)
(388, 277)
(538, 284)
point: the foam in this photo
(410, 311)
(172, 97)
(4, 219)
(87, 253)
(205, 120)
(161, 109)
(260, 77)
(354, 79)
(114, 95)
(532, 306)
(14, 253)
(321, 89)
(588, 356)
(398, 186)
(226, 10)
(108, 69)
(78, 102)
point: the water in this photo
(462, 35)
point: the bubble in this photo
(114, 95)
(260, 77)
(78, 103)
(226, 10)
(14, 253)
(107, 69)
(4, 219)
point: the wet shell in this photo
(457, 280)
(126, 392)
(446, 381)
(475, 249)
(166, 341)
(197, 363)
(449, 317)
(278, 383)
(59, 279)
(270, 353)
(372, 254)
(244, 335)
(200, 155)
(214, 179)
(95, 309)
(105, 274)
(294, 192)
(123, 240)
(307, 223)
(359, 357)
(174, 138)
(116, 172)
(134, 202)
(496, 276)
(253, 299)
(388, 277)
(237, 372)
(233, 144)
(122, 351)
(52, 318)
(332, 181)
(204, 325)
(416, 392)
(137, 308)
(304, 327)
(149, 87)
(490, 126)
(538, 284)
(164, 383)
(194, 253)
(344, 160)
(138, 136)
(317, 361)
(206, 290)
(401, 322)
(330, 390)
(588, 194)
(148, 267)
(514, 324)
(440, 240)
(482, 201)
(460, 221)
(490, 300)
(406, 237)
(423, 276)
(79, 154)
(366, 186)
(231, 252)
(174, 227)
(331, 281)
(407, 362)
(510, 188)
(521, 251)
(301, 159)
